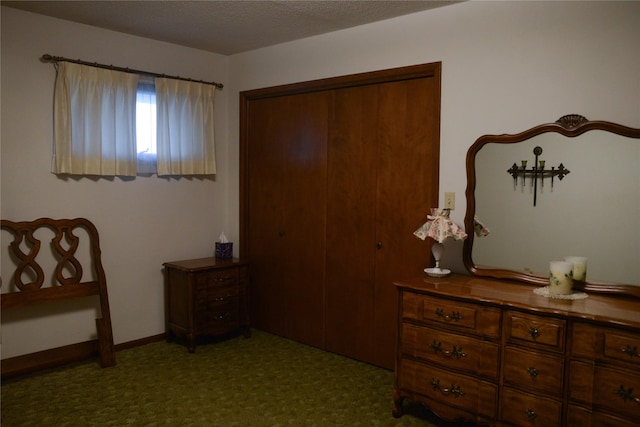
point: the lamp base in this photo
(437, 272)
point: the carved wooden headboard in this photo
(26, 282)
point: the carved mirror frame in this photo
(570, 126)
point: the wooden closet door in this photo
(354, 171)
(266, 195)
(383, 178)
(286, 222)
(351, 201)
(407, 186)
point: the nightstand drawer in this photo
(475, 319)
(222, 277)
(536, 331)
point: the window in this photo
(146, 126)
(112, 123)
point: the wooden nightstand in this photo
(206, 297)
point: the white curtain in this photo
(94, 121)
(185, 137)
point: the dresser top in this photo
(616, 310)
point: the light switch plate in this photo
(450, 200)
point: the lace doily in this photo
(572, 296)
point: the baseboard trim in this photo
(140, 342)
(60, 356)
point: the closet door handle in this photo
(379, 245)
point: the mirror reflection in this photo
(592, 212)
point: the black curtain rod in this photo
(50, 58)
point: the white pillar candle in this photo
(579, 267)
(560, 277)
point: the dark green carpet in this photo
(261, 381)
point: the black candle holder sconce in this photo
(537, 172)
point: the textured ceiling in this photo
(226, 27)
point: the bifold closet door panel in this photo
(407, 186)
(351, 200)
(286, 180)
(305, 216)
(266, 177)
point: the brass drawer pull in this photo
(531, 414)
(224, 298)
(631, 351)
(533, 372)
(456, 352)
(626, 394)
(455, 391)
(223, 278)
(455, 316)
(534, 332)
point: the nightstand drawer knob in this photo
(531, 414)
(533, 372)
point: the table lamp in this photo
(439, 227)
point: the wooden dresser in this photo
(495, 353)
(205, 297)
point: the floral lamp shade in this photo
(479, 228)
(440, 227)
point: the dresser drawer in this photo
(458, 351)
(452, 389)
(582, 417)
(534, 371)
(606, 344)
(524, 409)
(477, 319)
(615, 390)
(535, 331)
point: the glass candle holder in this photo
(579, 267)
(560, 277)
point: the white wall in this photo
(142, 222)
(506, 67)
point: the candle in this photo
(560, 277)
(579, 267)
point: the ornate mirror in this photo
(569, 188)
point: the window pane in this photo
(146, 119)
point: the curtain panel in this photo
(185, 133)
(94, 121)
